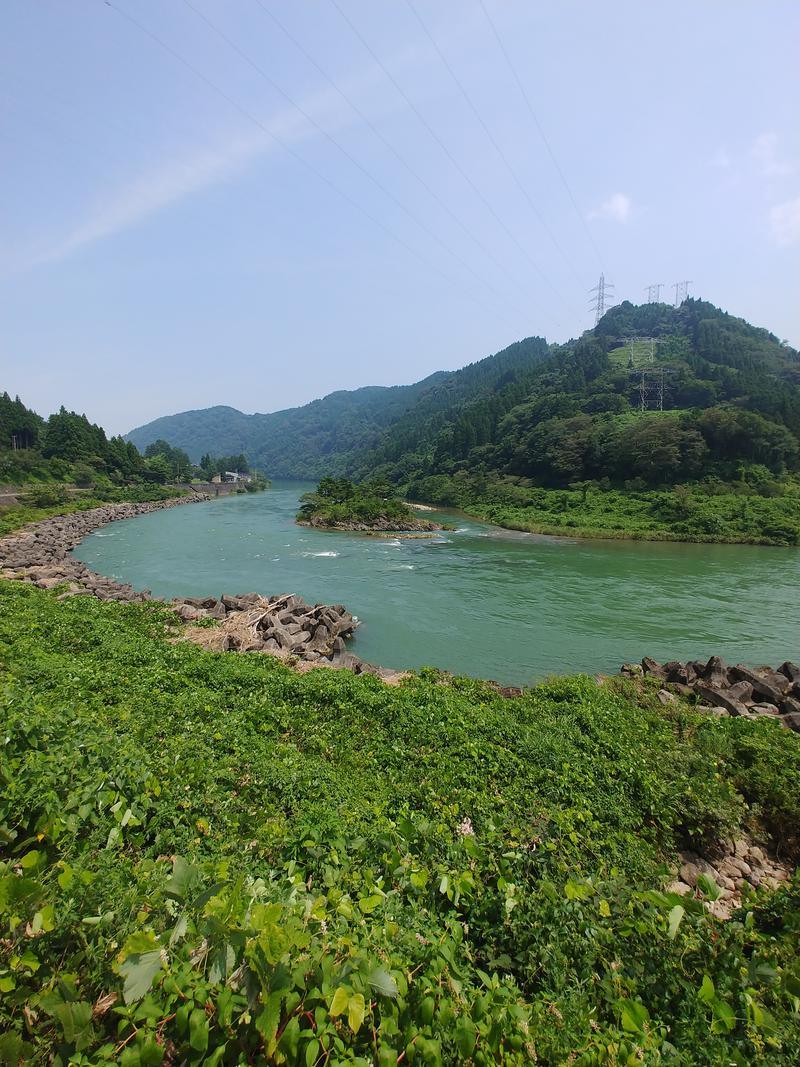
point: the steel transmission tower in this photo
(654, 293)
(681, 292)
(598, 302)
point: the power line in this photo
(339, 146)
(511, 236)
(385, 141)
(280, 141)
(542, 134)
(492, 140)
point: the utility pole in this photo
(602, 290)
(681, 291)
(654, 292)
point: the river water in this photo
(478, 600)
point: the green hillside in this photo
(332, 435)
(310, 441)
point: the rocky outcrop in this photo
(749, 692)
(40, 553)
(731, 866)
(379, 526)
(284, 626)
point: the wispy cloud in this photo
(764, 151)
(785, 222)
(156, 189)
(617, 208)
(721, 160)
(198, 167)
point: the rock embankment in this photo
(732, 866)
(750, 692)
(284, 626)
(40, 553)
(379, 526)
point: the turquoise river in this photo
(477, 600)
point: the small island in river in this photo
(369, 507)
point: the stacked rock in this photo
(279, 624)
(739, 690)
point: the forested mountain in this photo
(719, 394)
(334, 434)
(318, 438)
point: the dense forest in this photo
(720, 396)
(65, 447)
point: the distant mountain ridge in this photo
(332, 434)
(719, 393)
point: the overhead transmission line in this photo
(386, 142)
(285, 146)
(542, 134)
(492, 139)
(486, 203)
(341, 148)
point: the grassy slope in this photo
(123, 750)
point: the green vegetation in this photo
(337, 501)
(758, 510)
(721, 419)
(68, 448)
(208, 858)
(48, 501)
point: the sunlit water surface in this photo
(477, 600)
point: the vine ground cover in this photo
(212, 859)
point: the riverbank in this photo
(282, 625)
(690, 514)
(379, 527)
(39, 552)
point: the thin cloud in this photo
(721, 160)
(196, 168)
(785, 223)
(764, 151)
(617, 208)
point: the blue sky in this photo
(176, 233)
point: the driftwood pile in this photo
(739, 690)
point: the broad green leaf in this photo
(633, 1016)
(707, 885)
(605, 909)
(290, 1039)
(466, 1036)
(675, 919)
(369, 904)
(724, 1018)
(198, 1030)
(356, 1009)
(339, 1002)
(577, 890)
(706, 992)
(183, 877)
(139, 970)
(312, 1052)
(383, 983)
(76, 1022)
